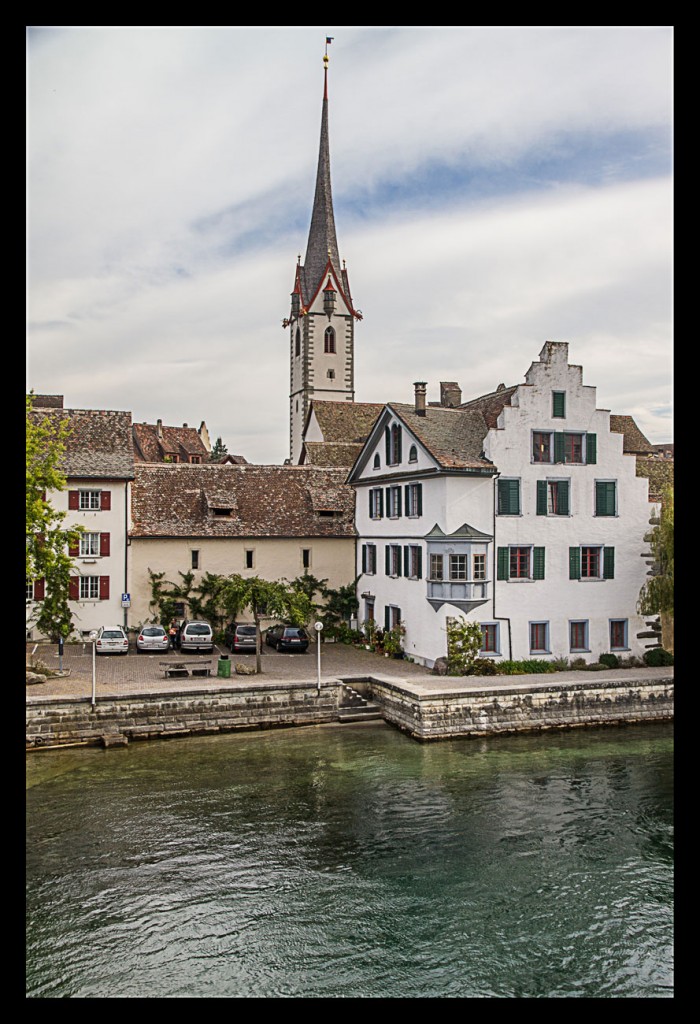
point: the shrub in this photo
(579, 663)
(464, 641)
(609, 660)
(560, 664)
(517, 668)
(657, 656)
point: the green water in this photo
(353, 862)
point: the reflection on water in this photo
(352, 861)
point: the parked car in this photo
(111, 640)
(153, 638)
(239, 637)
(287, 638)
(196, 635)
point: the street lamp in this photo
(318, 626)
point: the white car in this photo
(111, 640)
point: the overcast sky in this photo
(494, 188)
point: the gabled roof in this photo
(454, 437)
(181, 500)
(345, 422)
(99, 445)
(329, 454)
(153, 442)
(491, 405)
(465, 532)
(634, 441)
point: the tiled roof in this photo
(348, 422)
(634, 441)
(267, 501)
(181, 441)
(454, 437)
(491, 405)
(659, 472)
(330, 455)
(99, 445)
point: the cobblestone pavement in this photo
(115, 674)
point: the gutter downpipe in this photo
(498, 618)
(126, 550)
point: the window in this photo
(572, 447)
(559, 404)
(520, 563)
(458, 567)
(618, 635)
(329, 341)
(376, 464)
(490, 643)
(591, 562)
(392, 437)
(195, 560)
(376, 503)
(306, 558)
(369, 559)
(392, 616)
(249, 558)
(605, 497)
(30, 590)
(35, 590)
(414, 500)
(552, 497)
(541, 447)
(393, 502)
(89, 588)
(508, 497)
(195, 460)
(89, 545)
(413, 561)
(539, 638)
(413, 454)
(89, 500)
(330, 374)
(297, 343)
(479, 567)
(369, 609)
(578, 635)
(436, 569)
(393, 560)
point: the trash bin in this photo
(224, 667)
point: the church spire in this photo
(322, 244)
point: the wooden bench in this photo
(181, 668)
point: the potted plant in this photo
(393, 640)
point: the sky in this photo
(493, 189)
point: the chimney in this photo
(159, 429)
(450, 394)
(420, 390)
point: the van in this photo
(196, 635)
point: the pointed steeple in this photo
(322, 244)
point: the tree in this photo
(341, 604)
(265, 599)
(218, 451)
(656, 596)
(47, 542)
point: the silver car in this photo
(153, 638)
(196, 636)
(111, 640)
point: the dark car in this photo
(287, 638)
(239, 637)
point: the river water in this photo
(351, 861)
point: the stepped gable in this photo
(212, 500)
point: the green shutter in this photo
(364, 558)
(387, 617)
(387, 441)
(420, 562)
(407, 501)
(538, 564)
(608, 563)
(371, 503)
(419, 490)
(406, 561)
(541, 497)
(574, 563)
(388, 501)
(387, 560)
(502, 573)
(591, 449)
(398, 444)
(398, 560)
(558, 446)
(605, 498)
(398, 501)
(559, 404)
(563, 497)
(380, 495)
(508, 497)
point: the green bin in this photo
(224, 667)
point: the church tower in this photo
(322, 318)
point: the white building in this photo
(518, 510)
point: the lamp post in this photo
(93, 638)
(318, 626)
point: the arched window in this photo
(413, 454)
(376, 462)
(297, 343)
(329, 340)
(393, 445)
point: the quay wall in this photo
(523, 707)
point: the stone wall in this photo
(523, 707)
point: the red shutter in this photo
(104, 543)
(39, 587)
(74, 589)
(72, 499)
(74, 550)
(105, 500)
(104, 588)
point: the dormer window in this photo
(221, 510)
(195, 459)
